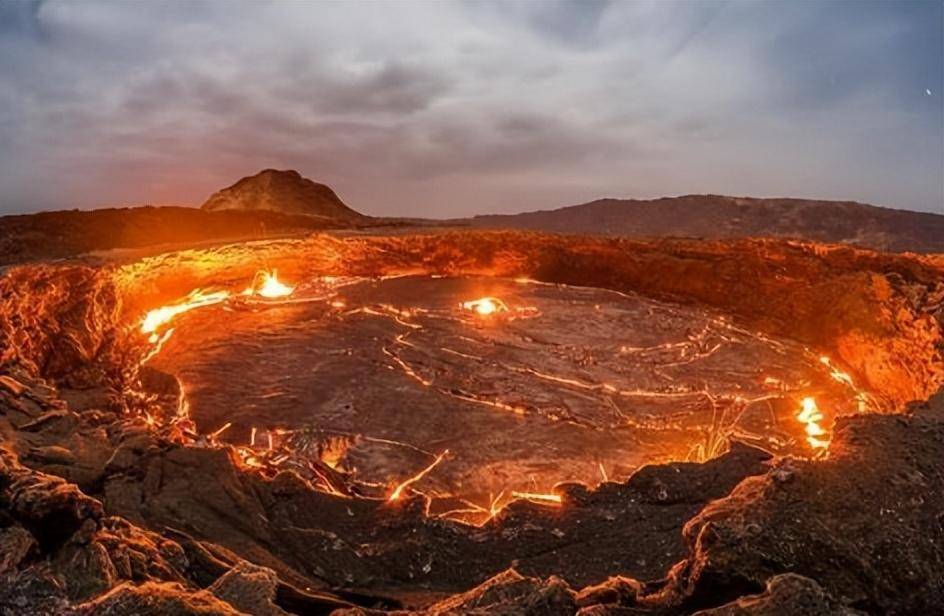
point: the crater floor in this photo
(568, 383)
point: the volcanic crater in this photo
(560, 383)
(391, 420)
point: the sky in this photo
(456, 108)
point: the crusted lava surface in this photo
(567, 383)
(273, 455)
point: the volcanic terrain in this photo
(473, 422)
(274, 203)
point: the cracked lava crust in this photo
(379, 376)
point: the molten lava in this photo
(553, 499)
(485, 306)
(267, 284)
(863, 399)
(398, 491)
(835, 373)
(154, 319)
(811, 416)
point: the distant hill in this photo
(286, 192)
(716, 217)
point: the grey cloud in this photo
(391, 87)
(19, 17)
(190, 91)
(459, 108)
(574, 23)
(519, 124)
(570, 21)
(519, 144)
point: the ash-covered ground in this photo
(563, 383)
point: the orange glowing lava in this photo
(835, 373)
(267, 284)
(154, 319)
(485, 306)
(863, 399)
(398, 491)
(553, 499)
(223, 429)
(811, 416)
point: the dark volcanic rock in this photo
(249, 588)
(865, 523)
(57, 546)
(281, 191)
(511, 593)
(615, 591)
(319, 540)
(57, 550)
(16, 543)
(49, 507)
(156, 599)
(717, 216)
(786, 594)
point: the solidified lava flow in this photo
(564, 383)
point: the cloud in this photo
(458, 108)
(570, 22)
(387, 87)
(19, 18)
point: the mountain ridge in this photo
(719, 217)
